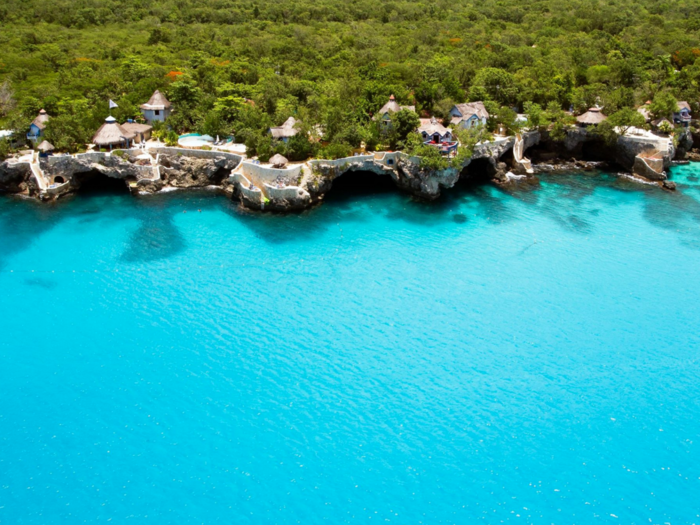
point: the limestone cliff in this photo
(14, 176)
(181, 171)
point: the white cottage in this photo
(432, 131)
(469, 115)
(157, 108)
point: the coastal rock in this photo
(423, 183)
(693, 155)
(685, 144)
(75, 170)
(668, 185)
(183, 171)
(14, 176)
(649, 167)
(408, 174)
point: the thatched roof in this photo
(136, 128)
(157, 101)
(45, 147)
(286, 130)
(393, 107)
(590, 117)
(683, 105)
(41, 120)
(111, 134)
(468, 110)
(278, 161)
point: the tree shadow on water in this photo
(39, 282)
(157, 236)
(154, 239)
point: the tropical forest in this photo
(234, 68)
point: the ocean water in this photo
(528, 356)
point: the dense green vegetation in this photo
(332, 63)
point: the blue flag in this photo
(112, 104)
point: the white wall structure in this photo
(157, 108)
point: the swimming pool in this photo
(195, 140)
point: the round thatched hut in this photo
(591, 117)
(278, 161)
(111, 135)
(45, 148)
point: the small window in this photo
(390, 161)
(157, 112)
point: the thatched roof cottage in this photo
(384, 114)
(111, 134)
(157, 108)
(38, 125)
(285, 131)
(469, 115)
(142, 132)
(591, 117)
(45, 148)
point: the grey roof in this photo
(644, 111)
(157, 101)
(469, 109)
(656, 123)
(41, 120)
(111, 133)
(432, 126)
(592, 116)
(393, 107)
(286, 130)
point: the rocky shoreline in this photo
(300, 186)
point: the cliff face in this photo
(406, 171)
(140, 171)
(300, 186)
(646, 156)
(14, 176)
(70, 168)
(180, 171)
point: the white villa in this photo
(469, 115)
(432, 131)
(384, 114)
(157, 108)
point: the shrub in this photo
(335, 151)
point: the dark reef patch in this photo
(39, 282)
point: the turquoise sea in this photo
(495, 357)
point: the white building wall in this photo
(150, 115)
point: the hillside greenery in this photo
(332, 64)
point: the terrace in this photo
(446, 147)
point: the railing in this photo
(446, 148)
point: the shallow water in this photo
(527, 356)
